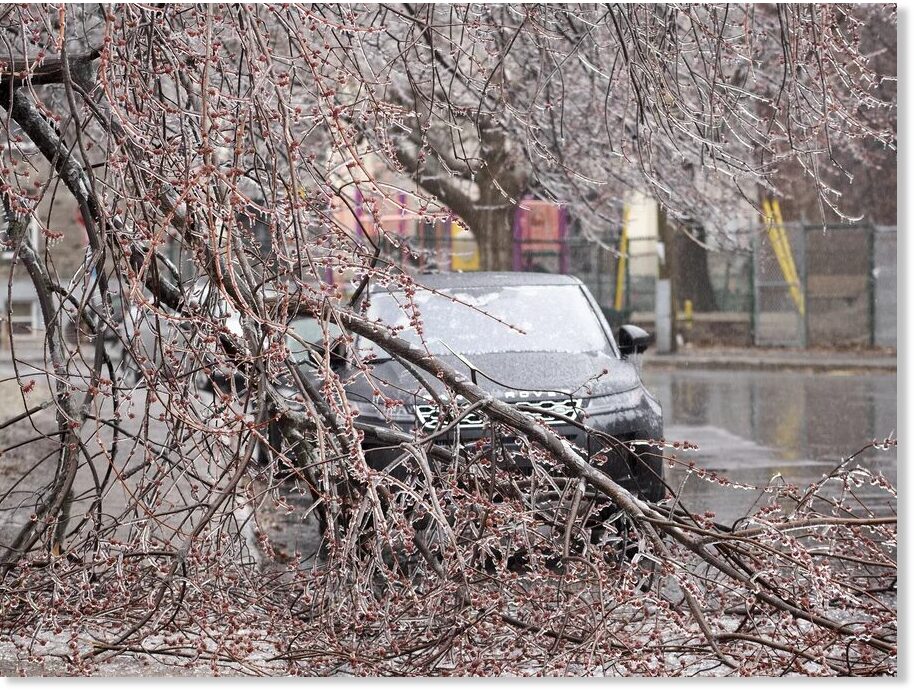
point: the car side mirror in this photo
(339, 355)
(633, 340)
(339, 358)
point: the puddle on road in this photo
(751, 426)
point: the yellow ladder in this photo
(623, 260)
(774, 222)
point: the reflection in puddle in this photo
(753, 426)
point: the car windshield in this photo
(311, 331)
(511, 319)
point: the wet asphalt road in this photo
(752, 425)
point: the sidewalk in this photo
(29, 351)
(773, 359)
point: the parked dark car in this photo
(527, 338)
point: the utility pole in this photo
(665, 296)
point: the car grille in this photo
(430, 415)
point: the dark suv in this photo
(536, 340)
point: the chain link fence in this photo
(793, 285)
(800, 286)
(596, 265)
(730, 272)
(778, 310)
(885, 284)
(832, 286)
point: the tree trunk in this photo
(666, 272)
(501, 182)
(692, 276)
(494, 232)
(493, 215)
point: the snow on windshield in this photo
(556, 319)
(310, 330)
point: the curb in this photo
(750, 363)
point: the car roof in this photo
(444, 280)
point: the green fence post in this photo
(628, 285)
(753, 305)
(804, 231)
(871, 284)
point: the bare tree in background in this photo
(696, 105)
(140, 515)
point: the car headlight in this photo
(610, 403)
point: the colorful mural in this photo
(540, 229)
